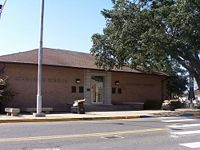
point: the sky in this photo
(68, 24)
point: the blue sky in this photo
(68, 24)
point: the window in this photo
(119, 91)
(113, 90)
(81, 89)
(73, 89)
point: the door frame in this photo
(107, 86)
(103, 89)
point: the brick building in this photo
(69, 75)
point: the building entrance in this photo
(97, 89)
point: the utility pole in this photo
(2, 7)
(39, 112)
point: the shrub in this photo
(152, 104)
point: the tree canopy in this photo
(159, 35)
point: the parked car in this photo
(171, 104)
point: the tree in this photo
(154, 34)
(175, 86)
(5, 92)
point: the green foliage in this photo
(176, 85)
(5, 92)
(177, 82)
(154, 34)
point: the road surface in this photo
(167, 133)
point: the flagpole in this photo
(39, 112)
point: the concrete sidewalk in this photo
(99, 115)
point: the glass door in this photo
(97, 89)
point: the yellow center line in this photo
(79, 135)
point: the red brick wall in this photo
(56, 85)
(136, 87)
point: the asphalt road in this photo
(172, 133)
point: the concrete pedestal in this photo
(39, 114)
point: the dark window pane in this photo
(97, 78)
(119, 90)
(113, 90)
(73, 89)
(81, 89)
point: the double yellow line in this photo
(98, 134)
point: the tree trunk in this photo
(197, 78)
(193, 67)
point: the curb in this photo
(66, 119)
(178, 114)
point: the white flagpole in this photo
(39, 112)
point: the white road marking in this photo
(174, 136)
(191, 145)
(177, 120)
(172, 118)
(186, 132)
(184, 125)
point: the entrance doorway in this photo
(97, 89)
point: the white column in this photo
(87, 87)
(108, 89)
